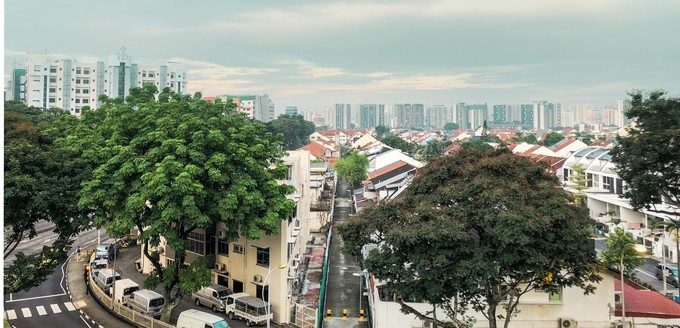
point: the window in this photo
(53, 80)
(596, 181)
(86, 71)
(77, 90)
(608, 183)
(262, 292)
(263, 256)
(589, 179)
(52, 100)
(53, 90)
(555, 296)
(238, 249)
(86, 90)
(566, 175)
(289, 173)
(196, 243)
(77, 101)
(143, 73)
(151, 74)
(222, 247)
(36, 68)
(86, 81)
(78, 71)
(78, 81)
(86, 101)
(53, 69)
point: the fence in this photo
(117, 309)
(304, 316)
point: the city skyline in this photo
(315, 54)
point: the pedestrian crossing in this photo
(40, 310)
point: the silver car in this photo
(212, 296)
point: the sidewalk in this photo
(94, 313)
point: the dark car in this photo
(671, 274)
(106, 251)
(128, 241)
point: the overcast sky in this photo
(314, 54)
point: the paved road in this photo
(47, 305)
(646, 271)
(126, 259)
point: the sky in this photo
(314, 54)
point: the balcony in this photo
(321, 205)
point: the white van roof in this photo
(238, 295)
(125, 283)
(148, 294)
(108, 272)
(200, 315)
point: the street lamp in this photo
(640, 249)
(266, 303)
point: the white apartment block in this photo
(72, 84)
(251, 266)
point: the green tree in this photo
(353, 167)
(647, 159)
(579, 182)
(475, 144)
(451, 126)
(621, 243)
(398, 142)
(380, 130)
(435, 148)
(552, 138)
(41, 182)
(172, 166)
(473, 230)
(295, 130)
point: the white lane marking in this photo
(55, 308)
(69, 306)
(11, 315)
(85, 321)
(35, 298)
(41, 310)
(26, 312)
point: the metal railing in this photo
(117, 309)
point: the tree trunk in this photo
(169, 305)
(491, 313)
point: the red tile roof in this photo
(646, 303)
(315, 148)
(386, 169)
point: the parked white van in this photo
(104, 279)
(198, 319)
(213, 296)
(247, 308)
(147, 302)
(122, 290)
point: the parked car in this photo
(198, 319)
(250, 309)
(671, 274)
(212, 296)
(128, 241)
(106, 251)
(97, 265)
(105, 279)
(123, 289)
(147, 302)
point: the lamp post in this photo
(361, 291)
(640, 249)
(266, 304)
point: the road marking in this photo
(55, 308)
(26, 312)
(11, 315)
(41, 310)
(69, 306)
(35, 298)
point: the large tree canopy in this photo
(42, 182)
(399, 143)
(171, 166)
(648, 158)
(474, 229)
(295, 130)
(352, 167)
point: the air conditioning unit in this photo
(161, 250)
(221, 234)
(220, 267)
(568, 323)
(619, 324)
(257, 278)
(617, 298)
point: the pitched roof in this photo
(386, 169)
(315, 148)
(643, 303)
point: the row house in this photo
(605, 201)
